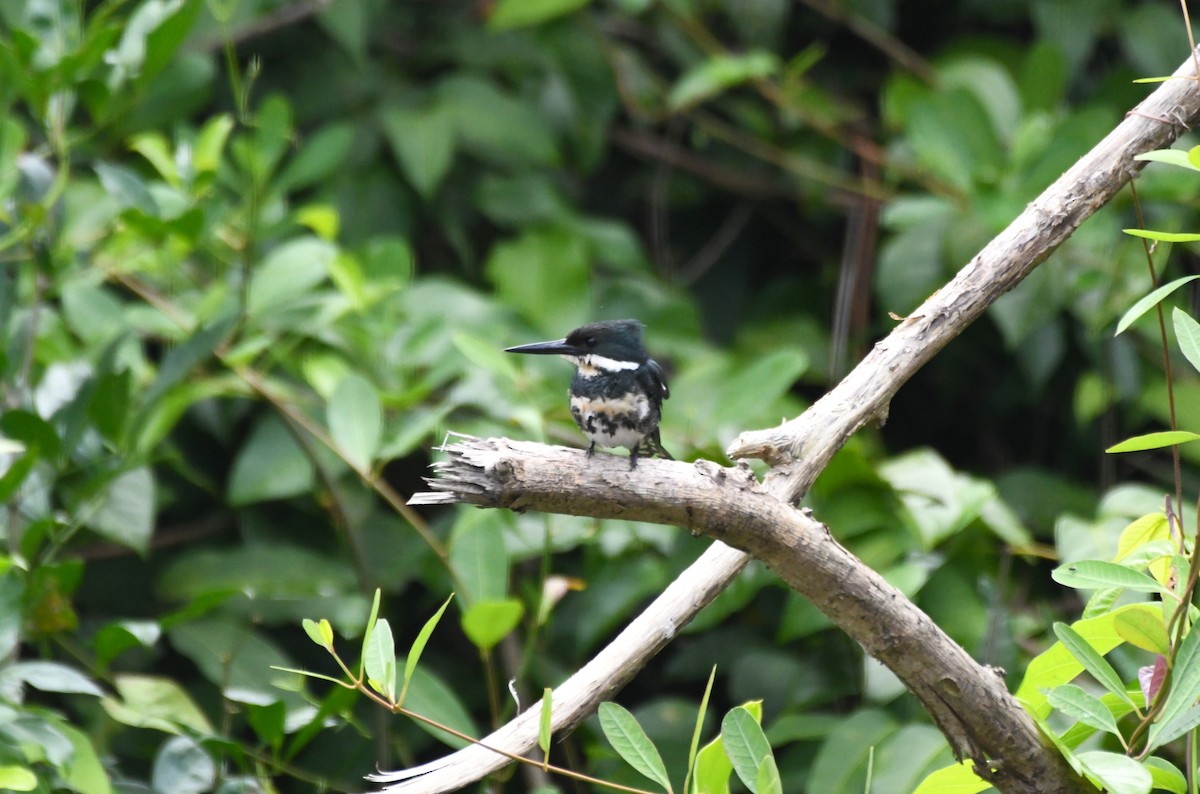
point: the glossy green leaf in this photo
(1144, 630)
(631, 743)
(321, 633)
(1176, 157)
(487, 622)
(767, 780)
(380, 660)
(418, 644)
(1187, 335)
(745, 744)
(1164, 438)
(1090, 574)
(545, 731)
(1091, 659)
(1078, 704)
(1150, 301)
(1056, 665)
(1116, 772)
(1165, 775)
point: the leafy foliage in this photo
(259, 258)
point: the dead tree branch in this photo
(968, 702)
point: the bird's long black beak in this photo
(557, 347)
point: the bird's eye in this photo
(590, 341)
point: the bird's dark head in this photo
(607, 345)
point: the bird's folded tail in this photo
(652, 445)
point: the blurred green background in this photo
(258, 258)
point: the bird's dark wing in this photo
(652, 379)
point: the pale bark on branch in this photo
(968, 702)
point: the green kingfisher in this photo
(617, 392)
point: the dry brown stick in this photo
(801, 448)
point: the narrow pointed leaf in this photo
(1092, 574)
(1150, 301)
(1164, 237)
(544, 730)
(1091, 660)
(370, 629)
(418, 646)
(1163, 438)
(1187, 334)
(631, 743)
(695, 745)
(1081, 705)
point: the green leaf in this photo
(144, 701)
(1158, 440)
(182, 359)
(1078, 704)
(182, 766)
(841, 761)
(1150, 301)
(746, 745)
(487, 622)
(479, 557)
(1176, 157)
(1166, 776)
(17, 778)
(1163, 237)
(430, 697)
(544, 275)
(695, 743)
(545, 731)
(356, 420)
(1056, 665)
(210, 143)
(958, 778)
(48, 677)
(380, 660)
(423, 141)
(1187, 334)
(1185, 689)
(510, 14)
(127, 188)
(720, 73)
(270, 465)
(1090, 574)
(1116, 772)
(631, 743)
(288, 275)
(418, 645)
(320, 633)
(372, 619)
(1091, 660)
(767, 779)
(321, 157)
(124, 512)
(1144, 630)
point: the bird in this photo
(617, 391)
